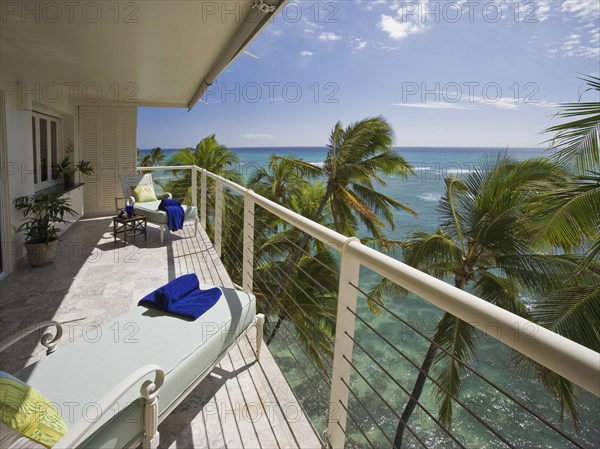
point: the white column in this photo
(194, 174)
(218, 215)
(203, 200)
(248, 249)
(344, 332)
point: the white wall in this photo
(19, 152)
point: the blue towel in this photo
(175, 213)
(182, 296)
(171, 292)
(195, 304)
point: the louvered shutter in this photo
(108, 139)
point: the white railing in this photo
(561, 355)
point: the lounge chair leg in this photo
(151, 436)
(196, 226)
(151, 443)
(260, 321)
(162, 234)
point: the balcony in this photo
(299, 394)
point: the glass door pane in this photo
(53, 144)
(35, 151)
(44, 150)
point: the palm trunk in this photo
(416, 394)
(275, 329)
(422, 377)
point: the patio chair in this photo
(114, 388)
(150, 208)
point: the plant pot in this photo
(69, 180)
(40, 254)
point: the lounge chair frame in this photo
(148, 390)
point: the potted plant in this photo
(66, 169)
(43, 213)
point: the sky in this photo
(443, 73)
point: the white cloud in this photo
(431, 105)
(329, 37)
(543, 104)
(306, 53)
(572, 40)
(500, 103)
(361, 44)
(505, 103)
(399, 29)
(251, 136)
(277, 32)
(573, 46)
(581, 8)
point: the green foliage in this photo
(487, 241)
(577, 140)
(358, 155)
(156, 157)
(569, 215)
(208, 154)
(65, 167)
(42, 213)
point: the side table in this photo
(130, 227)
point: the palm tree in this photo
(208, 154)
(308, 303)
(281, 181)
(156, 157)
(358, 156)
(485, 244)
(571, 212)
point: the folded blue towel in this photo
(173, 291)
(175, 213)
(195, 304)
(182, 296)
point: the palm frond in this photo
(569, 214)
(458, 339)
(577, 140)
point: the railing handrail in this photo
(571, 360)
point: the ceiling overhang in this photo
(148, 53)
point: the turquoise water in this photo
(422, 193)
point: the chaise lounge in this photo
(150, 208)
(114, 387)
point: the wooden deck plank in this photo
(259, 410)
(234, 414)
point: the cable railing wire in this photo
(295, 302)
(357, 425)
(325, 312)
(401, 387)
(371, 416)
(298, 247)
(302, 330)
(416, 365)
(473, 370)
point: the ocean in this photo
(422, 193)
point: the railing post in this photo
(203, 200)
(218, 215)
(248, 250)
(194, 174)
(344, 332)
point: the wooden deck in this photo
(241, 404)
